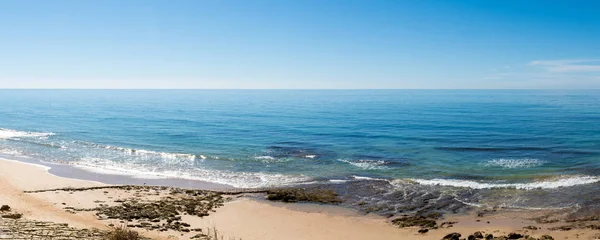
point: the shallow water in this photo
(474, 140)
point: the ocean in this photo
(515, 148)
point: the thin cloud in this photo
(577, 65)
(552, 74)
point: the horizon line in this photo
(302, 89)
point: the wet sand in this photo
(243, 216)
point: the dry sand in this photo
(242, 217)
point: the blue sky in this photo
(300, 44)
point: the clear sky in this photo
(300, 44)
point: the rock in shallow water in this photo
(315, 195)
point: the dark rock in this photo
(561, 228)
(415, 221)
(152, 214)
(594, 226)
(546, 237)
(447, 224)
(531, 227)
(4, 208)
(514, 236)
(471, 237)
(304, 195)
(145, 224)
(452, 236)
(489, 236)
(12, 216)
(423, 230)
(478, 234)
(484, 212)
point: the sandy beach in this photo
(83, 204)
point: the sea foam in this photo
(164, 155)
(565, 181)
(10, 151)
(9, 133)
(235, 179)
(367, 164)
(514, 162)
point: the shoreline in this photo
(81, 173)
(245, 216)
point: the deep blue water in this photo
(254, 138)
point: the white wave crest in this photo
(514, 162)
(338, 181)
(9, 133)
(368, 178)
(367, 164)
(567, 181)
(271, 159)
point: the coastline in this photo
(244, 215)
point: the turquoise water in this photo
(257, 138)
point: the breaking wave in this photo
(10, 134)
(367, 164)
(567, 181)
(145, 153)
